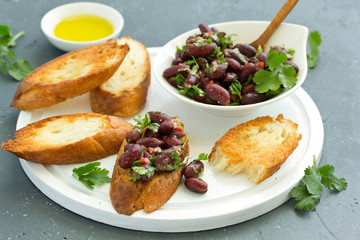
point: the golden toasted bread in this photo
(69, 75)
(76, 138)
(124, 94)
(128, 194)
(258, 147)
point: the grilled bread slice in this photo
(128, 196)
(124, 94)
(69, 75)
(258, 147)
(64, 139)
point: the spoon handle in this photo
(274, 24)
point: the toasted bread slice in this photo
(124, 94)
(69, 75)
(128, 196)
(258, 147)
(76, 138)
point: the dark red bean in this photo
(218, 94)
(235, 54)
(164, 162)
(173, 70)
(132, 136)
(171, 141)
(190, 80)
(204, 28)
(190, 40)
(233, 64)
(218, 71)
(177, 61)
(199, 98)
(132, 153)
(233, 97)
(178, 134)
(204, 81)
(144, 177)
(248, 88)
(245, 71)
(246, 49)
(279, 49)
(262, 57)
(152, 133)
(229, 78)
(253, 97)
(150, 142)
(200, 50)
(196, 185)
(158, 117)
(166, 126)
(214, 29)
(291, 63)
(194, 169)
(172, 82)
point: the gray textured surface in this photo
(25, 213)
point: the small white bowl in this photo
(288, 35)
(56, 15)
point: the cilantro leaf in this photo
(287, 75)
(275, 59)
(266, 81)
(314, 41)
(19, 68)
(307, 194)
(91, 175)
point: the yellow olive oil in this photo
(82, 28)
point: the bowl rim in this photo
(174, 91)
(116, 32)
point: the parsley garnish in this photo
(91, 175)
(144, 124)
(139, 171)
(307, 194)
(18, 68)
(279, 74)
(314, 40)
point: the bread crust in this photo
(128, 196)
(69, 75)
(256, 147)
(102, 144)
(129, 100)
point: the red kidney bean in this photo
(246, 49)
(233, 97)
(214, 29)
(291, 63)
(217, 93)
(199, 98)
(279, 49)
(176, 61)
(132, 153)
(245, 71)
(204, 28)
(233, 64)
(132, 136)
(173, 70)
(190, 40)
(229, 78)
(235, 54)
(178, 134)
(262, 57)
(152, 133)
(164, 162)
(248, 88)
(200, 50)
(196, 185)
(150, 142)
(172, 82)
(252, 97)
(190, 80)
(158, 117)
(171, 141)
(204, 81)
(193, 169)
(144, 177)
(166, 126)
(218, 71)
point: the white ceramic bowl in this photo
(56, 15)
(288, 35)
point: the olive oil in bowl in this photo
(83, 28)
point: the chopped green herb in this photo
(144, 124)
(314, 40)
(235, 88)
(307, 194)
(91, 175)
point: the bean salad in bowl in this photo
(210, 68)
(213, 69)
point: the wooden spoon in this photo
(274, 24)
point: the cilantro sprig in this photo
(280, 74)
(17, 68)
(91, 175)
(145, 123)
(307, 194)
(314, 41)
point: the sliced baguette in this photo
(258, 147)
(124, 94)
(69, 75)
(64, 139)
(128, 196)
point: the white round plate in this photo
(229, 200)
